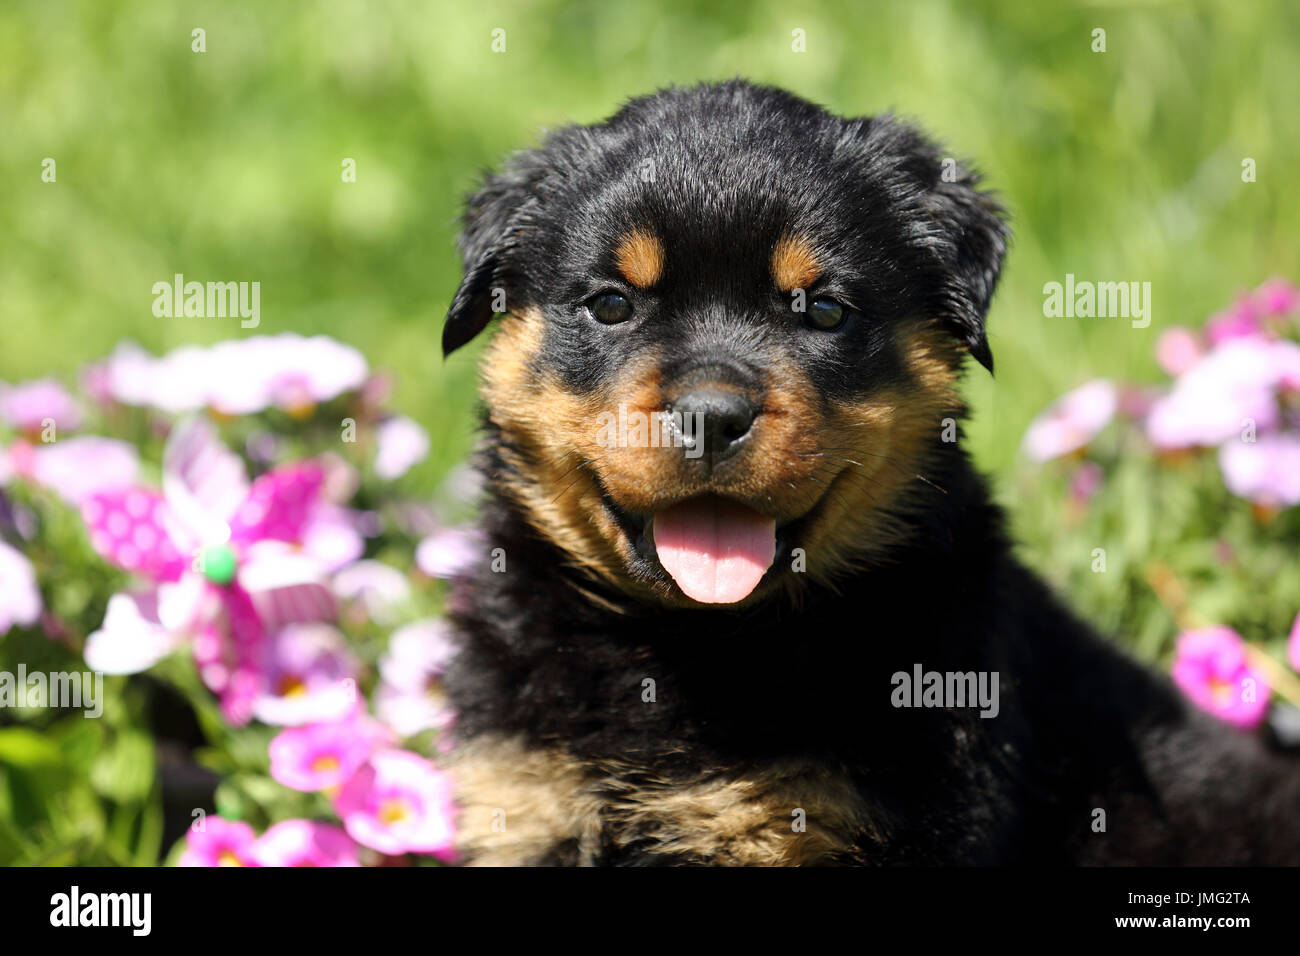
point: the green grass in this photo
(226, 164)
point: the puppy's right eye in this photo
(609, 308)
(825, 315)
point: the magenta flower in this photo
(1242, 321)
(1278, 297)
(450, 551)
(1072, 422)
(27, 406)
(1293, 644)
(229, 543)
(215, 841)
(20, 598)
(304, 843)
(310, 677)
(323, 756)
(1265, 471)
(399, 803)
(1211, 667)
(401, 444)
(410, 697)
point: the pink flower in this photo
(1265, 471)
(20, 598)
(182, 381)
(1085, 482)
(377, 587)
(1072, 422)
(401, 444)
(285, 371)
(127, 375)
(333, 536)
(1135, 402)
(410, 697)
(215, 841)
(1177, 350)
(1240, 322)
(26, 407)
(1235, 383)
(310, 677)
(322, 756)
(237, 377)
(133, 636)
(1211, 667)
(399, 803)
(76, 468)
(96, 383)
(1278, 297)
(450, 551)
(228, 542)
(304, 843)
(318, 367)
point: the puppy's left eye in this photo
(825, 315)
(610, 308)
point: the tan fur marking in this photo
(517, 806)
(794, 263)
(555, 432)
(521, 806)
(881, 448)
(640, 257)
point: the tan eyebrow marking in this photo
(640, 257)
(794, 263)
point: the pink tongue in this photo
(716, 550)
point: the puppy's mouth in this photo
(715, 549)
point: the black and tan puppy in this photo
(728, 513)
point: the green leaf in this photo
(22, 747)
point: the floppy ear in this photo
(492, 224)
(961, 228)
(975, 234)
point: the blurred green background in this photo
(1122, 165)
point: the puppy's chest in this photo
(521, 805)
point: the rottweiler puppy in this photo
(744, 599)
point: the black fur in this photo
(546, 659)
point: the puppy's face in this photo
(732, 328)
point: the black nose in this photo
(719, 418)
